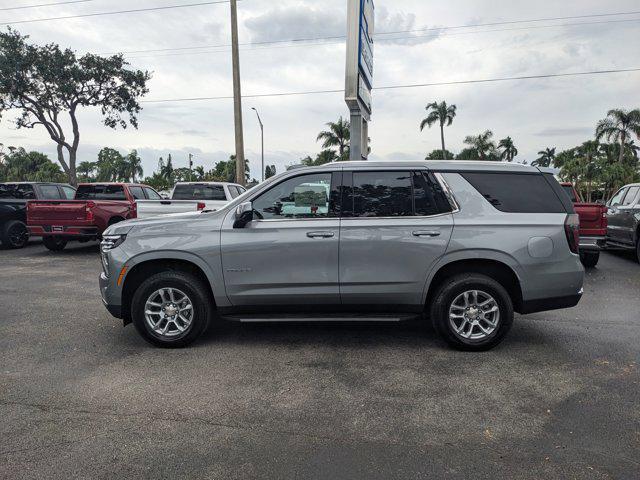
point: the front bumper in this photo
(114, 307)
(592, 243)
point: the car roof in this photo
(440, 165)
(34, 183)
(206, 183)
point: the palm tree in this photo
(133, 166)
(509, 150)
(85, 169)
(546, 158)
(442, 114)
(338, 135)
(619, 126)
(166, 168)
(482, 144)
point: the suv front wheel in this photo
(171, 309)
(472, 312)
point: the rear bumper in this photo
(592, 243)
(66, 231)
(554, 303)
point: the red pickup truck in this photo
(94, 207)
(593, 226)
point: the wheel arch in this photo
(145, 267)
(500, 269)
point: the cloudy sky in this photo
(559, 112)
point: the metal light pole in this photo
(190, 167)
(237, 95)
(261, 138)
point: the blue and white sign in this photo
(359, 71)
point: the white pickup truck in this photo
(190, 197)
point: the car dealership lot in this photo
(80, 396)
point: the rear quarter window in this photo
(518, 193)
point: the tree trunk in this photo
(73, 178)
(622, 144)
(444, 156)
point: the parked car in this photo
(624, 219)
(464, 243)
(191, 196)
(94, 207)
(13, 207)
(593, 226)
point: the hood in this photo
(164, 222)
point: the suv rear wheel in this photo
(55, 244)
(171, 309)
(589, 259)
(472, 312)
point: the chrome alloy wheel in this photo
(168, 312)
(474, 315)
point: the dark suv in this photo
(623, 230)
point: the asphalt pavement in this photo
(83, 397)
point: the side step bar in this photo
(246, 318)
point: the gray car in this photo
(462, 243)
(623, 230)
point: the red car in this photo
(593, 226)
(94, 207)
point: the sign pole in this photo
(237, 96)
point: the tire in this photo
(589, 259)
(450, 297)
(638, 250)
(55, 244)
(14, 234)
(182, 283)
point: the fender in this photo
(215, 278)
(472, 254)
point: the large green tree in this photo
(443, 115)
(338, 135)
(18, 165)
(619, 126)
(48, 85)
(437, 155)
(483, 145)
(111, 166)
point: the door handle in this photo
(426, 233)
(320, 234)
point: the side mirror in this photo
(244, 214)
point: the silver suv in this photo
(462, 243)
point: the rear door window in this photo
(137, 193)
(617, 198)
(191, 191)
(233, 191)
(100, 192)
(516, 192)
(69, 192)
(630, 196)
(429, 199)
(50, 192)
(382, 194)
(152, 194)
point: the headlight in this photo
(109, 242)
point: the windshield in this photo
(190, 191)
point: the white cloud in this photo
(536, 114)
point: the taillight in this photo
(89, 211)
(572, 230)
(134, 210)
(201, 206)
